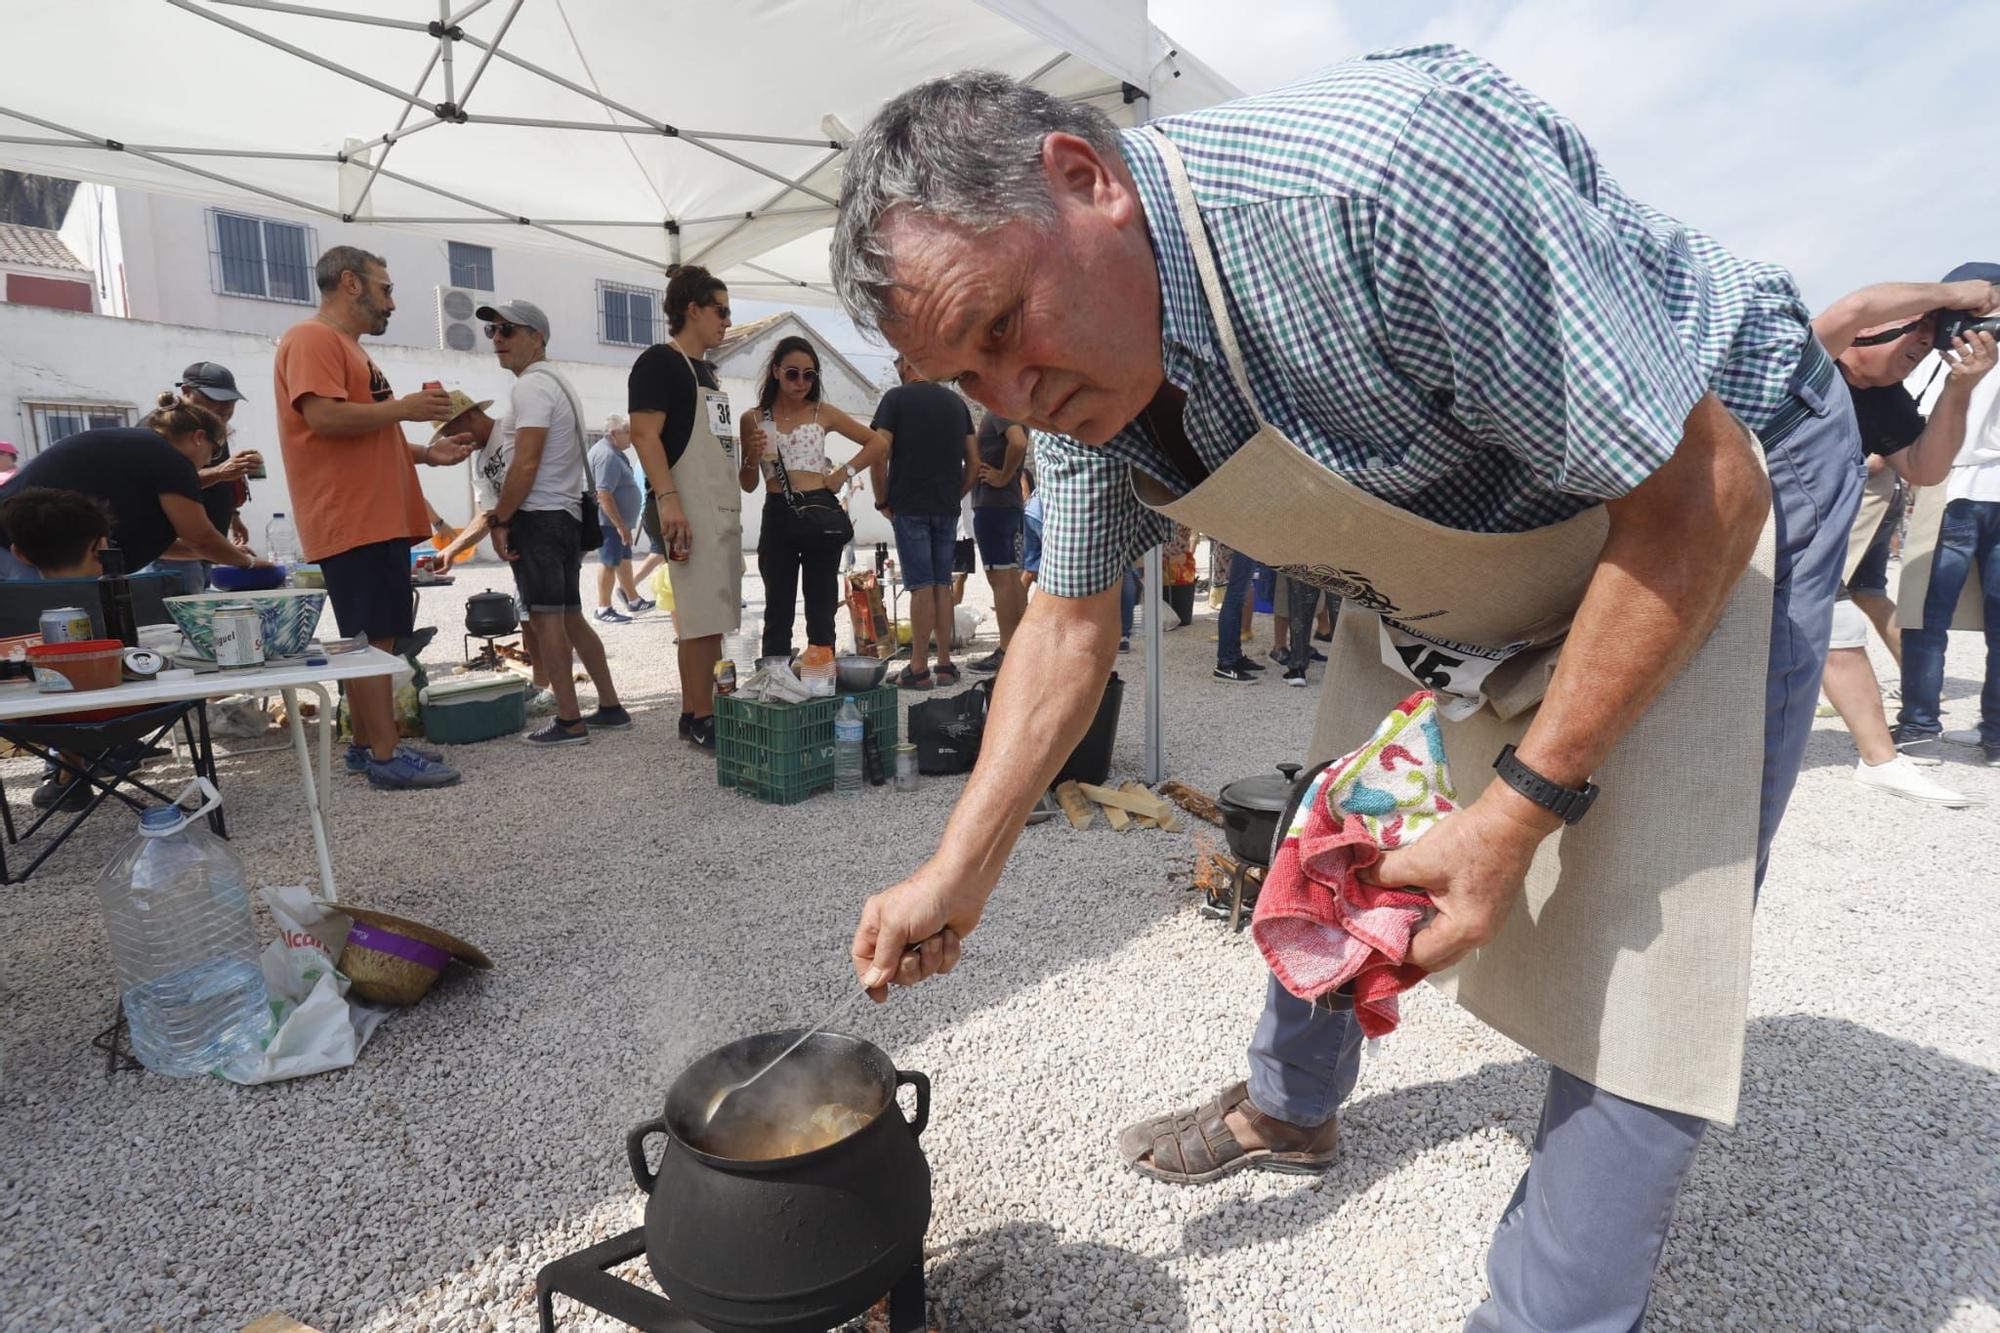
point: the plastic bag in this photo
(318, 1027)
(663, 589)
(237, 717)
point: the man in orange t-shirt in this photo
(353, 480)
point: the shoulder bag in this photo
(815, 520)
(592, 535)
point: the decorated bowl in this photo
(289, 616)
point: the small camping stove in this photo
(585, 1277)
(1243, 883)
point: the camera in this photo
(1949, 324)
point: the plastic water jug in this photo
(281, 541)
(847, 741)
(177, 910)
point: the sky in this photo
(1842, 139)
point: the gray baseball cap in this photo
(525, 313)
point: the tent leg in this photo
(1149, 598)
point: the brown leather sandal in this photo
(1196, 1146)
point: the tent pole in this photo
(1154, 595)
(300, 52)
(492, 49)
(501, 215)
(408, 25)
(760, 212)
(389, 139)
(444, 49)
(471, 9)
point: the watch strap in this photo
(1568, 804)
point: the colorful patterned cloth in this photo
(1319, 926)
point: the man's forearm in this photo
(1677, 547)
(331, 416)
(1928, 461)
(1045, 699)
(215, 547)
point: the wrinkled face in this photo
(1871, 367)
(620, 438)
(797, 374)
(1059, 328)
(374, 296)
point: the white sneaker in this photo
(1969, 739)
(541, 702)
(1900, 777)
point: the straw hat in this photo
(461, 403)
(393, 960)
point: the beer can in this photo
(725, 677)
(239, 635)
(66, 624)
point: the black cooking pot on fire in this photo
(754, 1220)
(488, 615)
(1255, 813)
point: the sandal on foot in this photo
(914, 680)
(946, 675)
(1196, 1146)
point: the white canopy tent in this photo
(704, 131)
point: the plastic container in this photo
(178, 915)
(1091, 760)
(281, 541)
(847, 731)
(907, 779)
(473, 708)
(90, 664)
(817, 671)
(783, 753)
(740, 647)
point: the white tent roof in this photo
(704, 130)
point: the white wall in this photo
(91, 231)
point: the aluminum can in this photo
(239, 636)
(66, 624)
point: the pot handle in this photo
(635, 1149)
(923, 1086)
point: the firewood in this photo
(1119, 820)
(277, 1322)
(1079, 809)
(1131, 788)
(1199, 804)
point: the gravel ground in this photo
(639, 916)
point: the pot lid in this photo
(1267, 791)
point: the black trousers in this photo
(783, 567)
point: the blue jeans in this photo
(1128, 600)
(1969, 539)
(1229, 625)
(924, 544)
(1578, 1243)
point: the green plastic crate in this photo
(783, 753)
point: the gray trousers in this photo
(1579, 1242)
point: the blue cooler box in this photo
(474, 708)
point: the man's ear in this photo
(1079, 175)
(16, 552)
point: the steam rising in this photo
(809, 1099)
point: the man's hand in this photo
(1472, 865)
(675, 534)
(503, 544)
(882, 508)
(233, 468)
(1975, 295)
(625, 538)
(997, 477)
(1970, 356)
(927, 906)
(425, 405)
(237, 532)
(449, 450)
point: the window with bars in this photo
(471, 266)
(625, 314)
(263, 258)
(52, 422)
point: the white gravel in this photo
(639, 916)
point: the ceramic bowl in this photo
(289, 616)
(259, 578)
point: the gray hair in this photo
(966, 148)
(617, 421)
(345, 259)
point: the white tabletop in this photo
(24, 700)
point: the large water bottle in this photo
(281, 541)
(848, 736)
(178, 914)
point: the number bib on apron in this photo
(708, 585)
(1628, 961)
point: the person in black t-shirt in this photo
(224, 485)
(933, 464)
(1877, 336)
(147, 477)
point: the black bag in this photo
(947, 732)
(593, 526)
(814, 521)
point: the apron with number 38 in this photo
(1627, 963)
(708, 585)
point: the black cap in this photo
(1982, 272)
(211, 380)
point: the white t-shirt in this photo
(1975, 473)
(535, 400)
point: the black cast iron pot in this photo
(488, 615)
(1251, 808)
(740, 1241)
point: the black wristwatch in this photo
(1568, 804)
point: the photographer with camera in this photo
(1878, 336)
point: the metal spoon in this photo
(722, 1094)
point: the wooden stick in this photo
(1199, 804)
(1119, 820)
(1111, 796)
(1082, 814)
(1162, 815)
(1131, 787)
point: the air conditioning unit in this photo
(458, 327)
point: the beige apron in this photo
(708, 585)
(1919, 549)
(1628, 962)
(1877, 494)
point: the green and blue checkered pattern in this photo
(1440, 296)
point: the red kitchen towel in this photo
(1318, 925)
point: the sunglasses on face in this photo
(797, 375)
(721, 310)
(503, 330)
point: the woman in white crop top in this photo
(795, 424)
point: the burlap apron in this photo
(1919, 550)
(1628, 962)
(1877, 494)
(708, 585)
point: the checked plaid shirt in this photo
(1440, 296)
